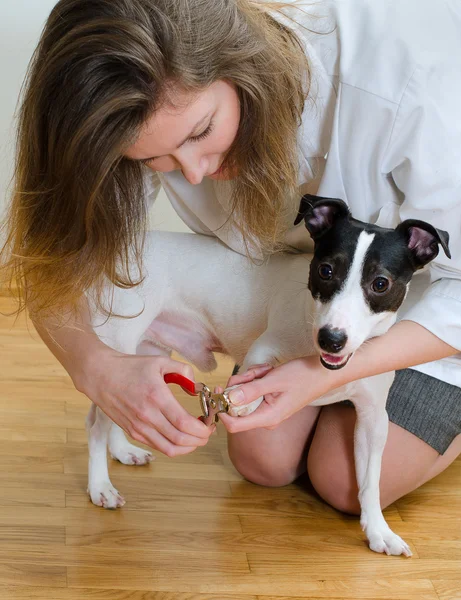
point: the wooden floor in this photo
(192, 528)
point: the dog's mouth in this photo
(333, 361)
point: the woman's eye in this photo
(203, 135)
(325, 271)
(380, 285)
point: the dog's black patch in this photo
(387, 260)
(335, 248)
(394, 255)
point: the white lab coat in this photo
(383, 133)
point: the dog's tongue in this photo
(332, 358)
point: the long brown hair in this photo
(100, 70)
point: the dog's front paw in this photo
(128, 454)
(105, 495)
(387, 542)
(246, 409)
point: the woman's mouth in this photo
(224, 172)
(218, 171)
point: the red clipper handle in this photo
(186, 384)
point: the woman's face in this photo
(195, 137)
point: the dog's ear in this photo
(423, 241)
(320, 213)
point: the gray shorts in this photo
(425, 406)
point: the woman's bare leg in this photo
(274, 457)
(408, 462)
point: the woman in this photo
(237, 107)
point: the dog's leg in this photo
(124, 340)
(369, 442)
(263, 350)
(122, 450)
(119, 447)
(100, 488)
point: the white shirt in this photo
(384, 135)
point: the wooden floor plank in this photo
(448, 590)
(272, 585)
(27, 593)
(32, 575)
(204, 541)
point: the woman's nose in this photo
(194, 170)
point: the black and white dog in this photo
(199, 297)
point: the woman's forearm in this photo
(406, 344)
(75, 344)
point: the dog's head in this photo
(360, 273)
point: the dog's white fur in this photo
(199, 297)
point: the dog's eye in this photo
(380, 285)
(325, 271)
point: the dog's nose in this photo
(332, 340)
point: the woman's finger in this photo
(179, 437)
(177, 415)
(154, 439)
(261, 368)
(152, 422)
(264, 416)
(251, 373)
(252, 390)
(169, 365)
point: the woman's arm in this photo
(75, 345)
(406, 344)
(292, 386)
(129, 389)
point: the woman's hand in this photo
(293, 385)
(286, 389)
(131, 391)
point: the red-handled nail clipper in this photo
(211, 404)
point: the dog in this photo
(199, 297)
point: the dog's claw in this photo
(387, 542)
(107, 497)
(132, 455)
(246, 409)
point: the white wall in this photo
(21, 22)
(163, 216)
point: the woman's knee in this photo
(330, 462)
(275, 457)
(259, 466)
(334, 487)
